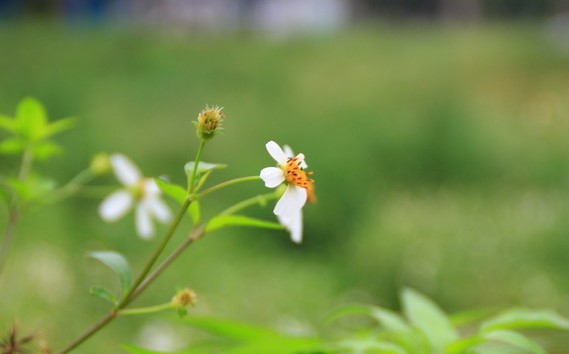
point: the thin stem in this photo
(72, 186)
(7, 238)
(258, 199)
(192, 184)
(157, 253)
(146, 310)
(87, 334)
(226, 184)
(130, 296)
(14, 208)
(193, 236)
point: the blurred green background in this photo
(440, 154)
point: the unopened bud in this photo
(101, 164)
(209, 122)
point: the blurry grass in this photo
(441, 159)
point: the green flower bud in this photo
(100, 164)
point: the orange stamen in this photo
(295, 175)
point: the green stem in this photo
(130, 295)
(14, 208)
(157, 253)
(72, 186)
(192, 184)
(258, 199)
(146, 310)
(193, 236)
(226, 184)
(7, 238)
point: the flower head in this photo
(209, 122)
(140, 192)
(291, 171)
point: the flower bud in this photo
(100, 164)
(209, 122)
(185, 297)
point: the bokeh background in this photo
(437, 130)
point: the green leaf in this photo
(8, 124)
(31, 119)
(202, 167)
(429, 319)
(179, 194)
(525, 319)
(468, 317)
(59, 126)
(174, 191)
(238, 220)
(390, 320)
(229, 329)
(118, 263)
(516, 340)
(371, 345)
(33, 188)
(46, 149)
(103, 294)
(11, 146)
(463, 345)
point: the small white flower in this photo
(139, 191)
(299, 187)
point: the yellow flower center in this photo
(295, 175)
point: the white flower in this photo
(139, 191)
(299, 187)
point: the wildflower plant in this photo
(32, 134)
(425, 329)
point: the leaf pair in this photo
(119, 265)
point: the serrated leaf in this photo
(525, 319)
(516, 340)
(31, 119)
(59, 126)
(429, 319)
(118, 263)
(238, 220)
(11, 146)
(103, 294)
(33, 188)
(7, 123)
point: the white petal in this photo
(272, 176)
(302, 163)
(291, 202)
(160, 210)
(125, 170)
(276, 152)
(293, 223)
(288, 151)
(150, 187)
(115, 205)
(143, 221)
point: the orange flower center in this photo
(295, 175)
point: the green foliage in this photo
(203, 170)
(180, 195)
(426, 329)
(30, 129)
(240, 220)
(119, 265)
